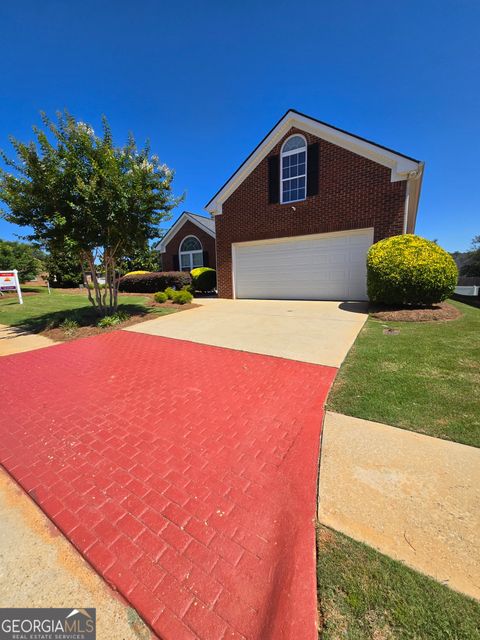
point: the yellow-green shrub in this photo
(182, 297)
(136, 273)
(160, 297)
(204, 279)
(408, 269)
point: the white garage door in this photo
(327, 266)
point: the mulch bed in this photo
(60, 335)
(438, 312)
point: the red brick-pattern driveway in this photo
(184, 473)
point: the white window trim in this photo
(283, 154)
(189, 253)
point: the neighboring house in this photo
(295, 221)
(189, 243)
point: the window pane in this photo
(295, 142)
(185, 261)
(190, 244)
(197, 259)
(301, 182)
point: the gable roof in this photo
(402, 166)
(202, 222)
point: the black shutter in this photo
(205, 259)
(312, 169)
(176, 264)
(273, 179)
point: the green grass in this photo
(365, 595)
(44, 310)
(425, 379)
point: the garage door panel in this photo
(326, 266)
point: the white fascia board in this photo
(399, 165)
(185, 217)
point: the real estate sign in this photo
(9, 282)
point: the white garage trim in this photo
(340, 255)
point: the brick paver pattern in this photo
(184, 473)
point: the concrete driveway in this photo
(308, 331)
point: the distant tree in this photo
(26, 258)
(63, 266)
(471, 265)
(144, 258)
(73, 186)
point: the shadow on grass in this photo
(472, 301)
(84, 316)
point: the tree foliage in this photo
(26, 258)
(63, 266)
(142, 259)
(78, 190)
(471, 265)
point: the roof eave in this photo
(183, 218)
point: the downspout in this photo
(407, 203)
(412, 195)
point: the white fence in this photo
(468, 291)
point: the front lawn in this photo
(363, 595)
(42, 311)
(424, 379)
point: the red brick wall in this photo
(354, 193)
(188, 229)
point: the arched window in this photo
(191, 253)
(293, 169)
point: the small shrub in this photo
(154, 281)
(160, 297)
(111, 321)
(90, 285)
(408, 269)
(169, 292)
(69, 326)
(182, 297)
(204, 279)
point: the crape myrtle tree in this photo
(75, 188)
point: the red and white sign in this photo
(9, 282)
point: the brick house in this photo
(189, 243)
(296, 219)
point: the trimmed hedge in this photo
(408, 269)
(136, 273)
(154, 281)
(204, 279)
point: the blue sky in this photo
(204, 81)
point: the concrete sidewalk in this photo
(411, 496)
(16, 340)
(40, 568)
